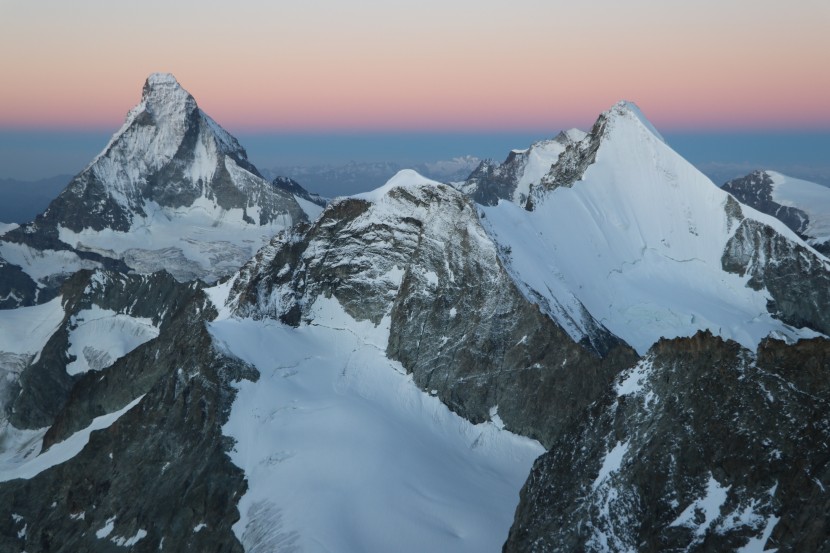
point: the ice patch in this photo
(610, 464)
(495, 418)
(26, 330)
(42, 264)
(98, 337)
(311, 209)
(709, 505)
(809, 197)
(634, 379)
(106, 529)
(129, 542)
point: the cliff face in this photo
(703, 446)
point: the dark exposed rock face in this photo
(797, 279)
(17, 289)
(494, 182)
(576, 158)
(457, 321)
(703, 446)
(755, 190)
(161, 469)
(44, 386)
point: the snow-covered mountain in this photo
(382, 375)
(625, 229)
(801, 205)
(172, 190)
(355, 177)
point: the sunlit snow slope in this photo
(638, 240)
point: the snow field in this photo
(343, 452)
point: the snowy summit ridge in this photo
(648, 244)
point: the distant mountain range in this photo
(354, 177)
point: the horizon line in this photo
(416, 131)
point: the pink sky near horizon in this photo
(421, 66)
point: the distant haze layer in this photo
(33, 155)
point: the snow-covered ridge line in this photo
(638, 240)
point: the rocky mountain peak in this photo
(163, 89)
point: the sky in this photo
(268, 70)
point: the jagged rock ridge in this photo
(703, 446)
(513, 179)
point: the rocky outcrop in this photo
(703, 446)
(159, 478)
(801, 205)
(44, 387)
(520, 172)
(491, 182)
(797, 279)
(755, 190)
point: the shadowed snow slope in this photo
(343, 452)
(812, 198)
